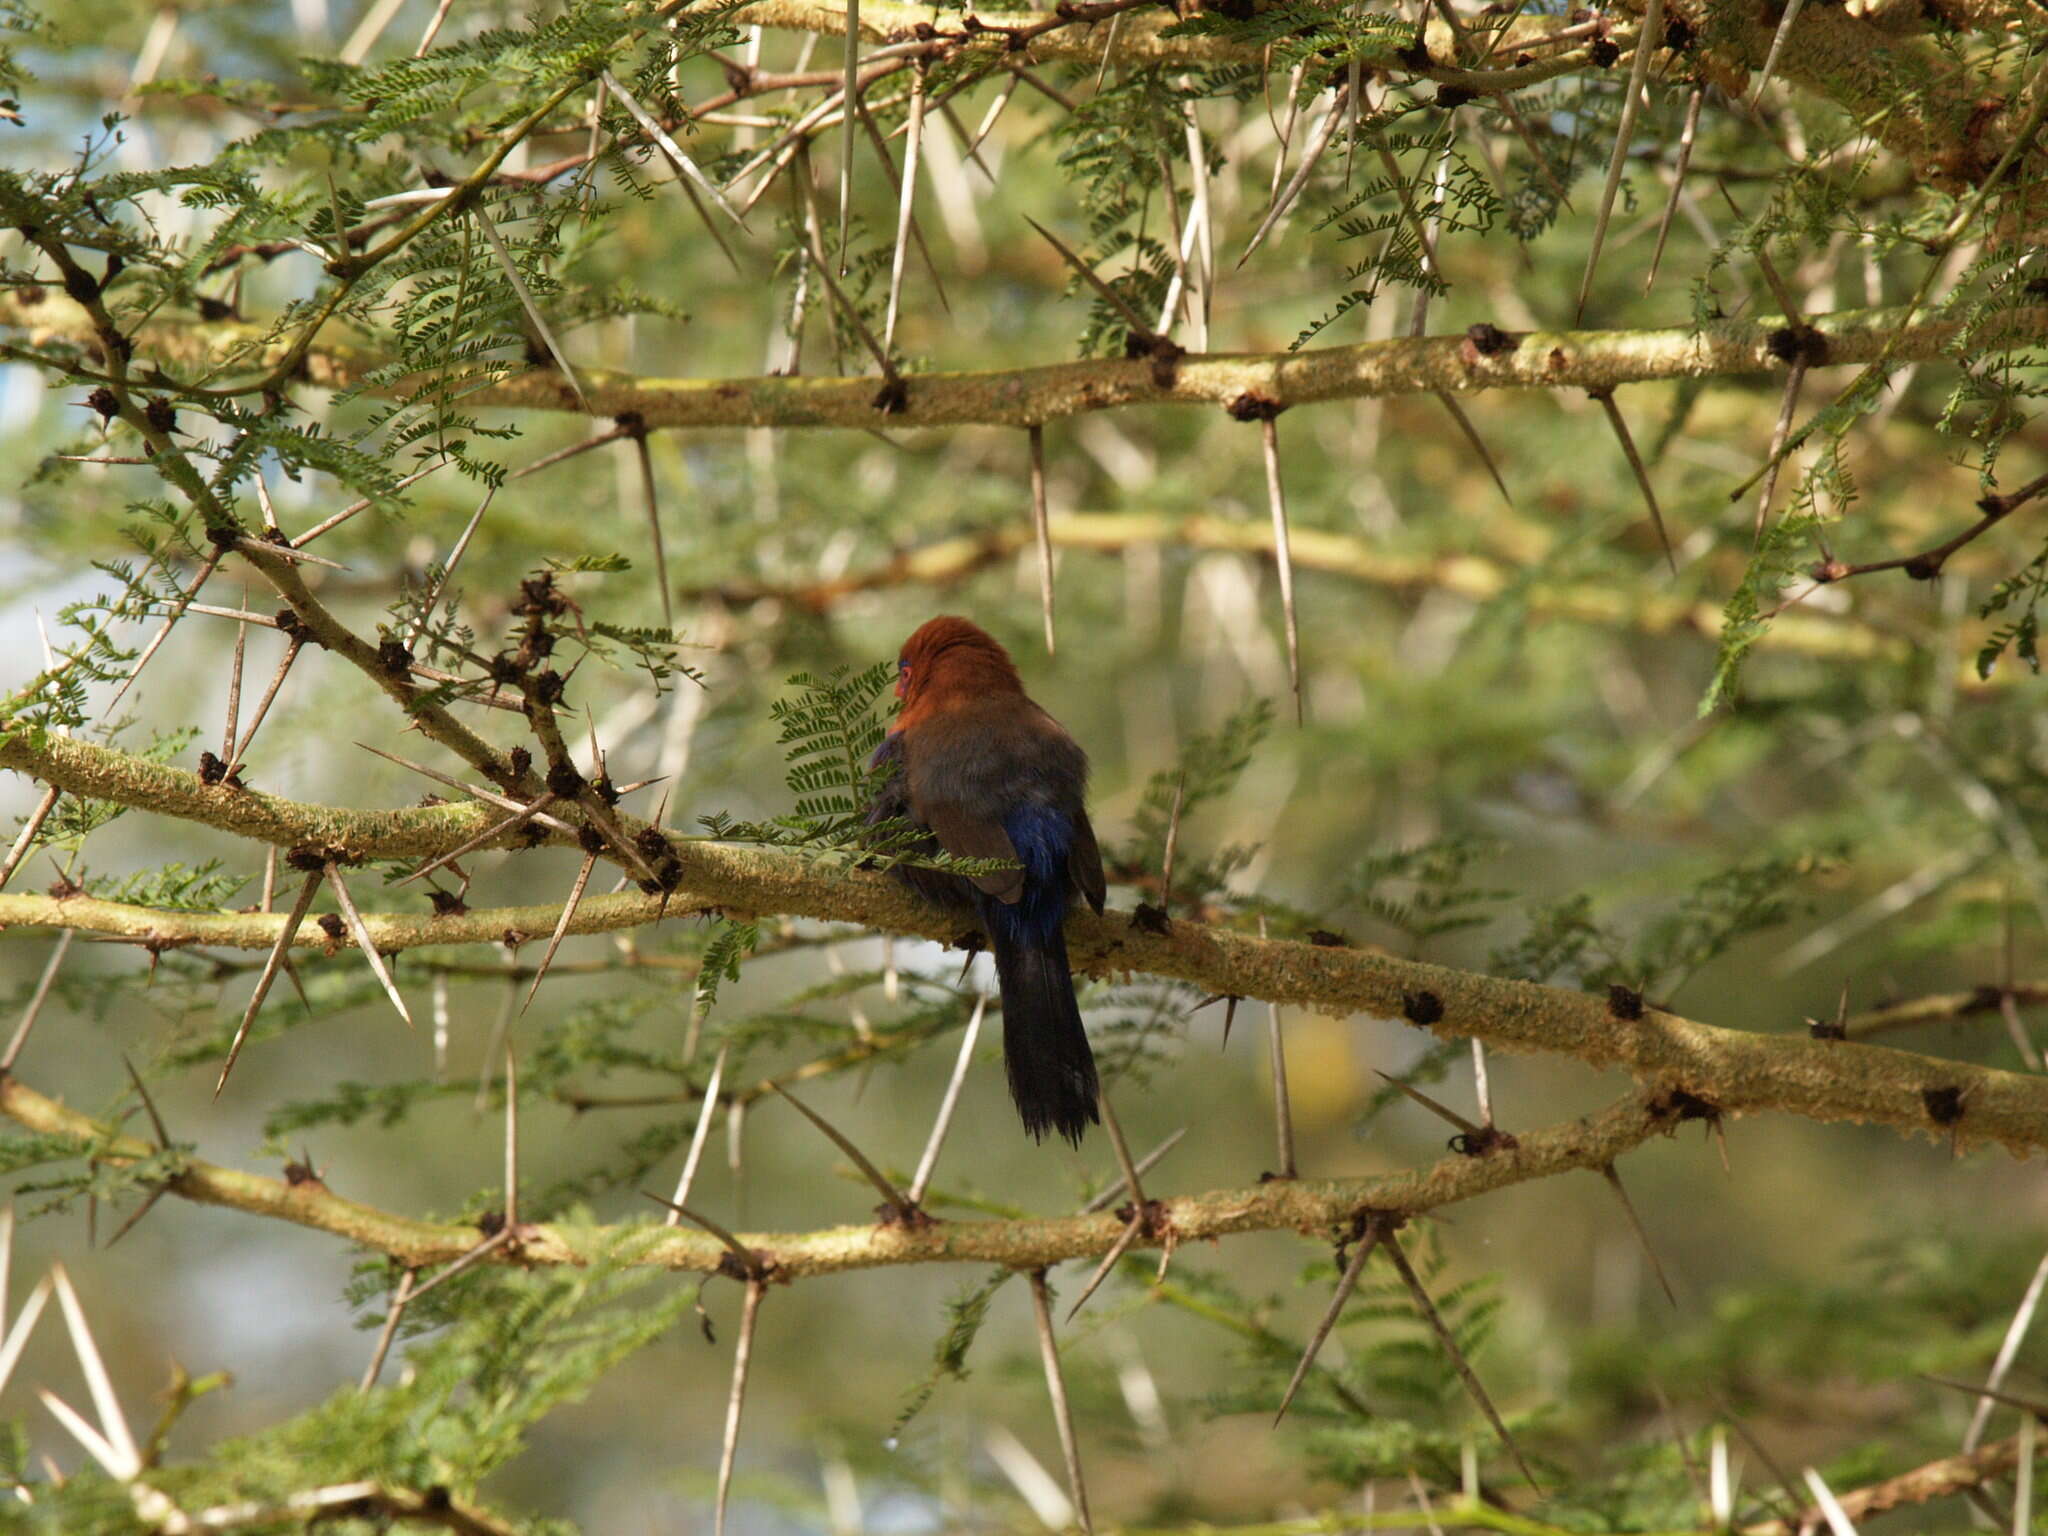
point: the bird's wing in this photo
(971, 837)
(892, 799)
(1084, 862)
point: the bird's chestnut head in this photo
(950, 656)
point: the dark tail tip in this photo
(1045, 1048)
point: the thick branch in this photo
(1275, 1206)
(1723, 1070)
(1135, 37)
(1595, 360)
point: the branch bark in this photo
(949, 560)
(1309, 1206)
(1022, 397)
(1706, 1069)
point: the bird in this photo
(986, 773)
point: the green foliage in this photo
(1425, 892)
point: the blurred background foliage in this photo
(1505, 765)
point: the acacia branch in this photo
(949, 560)
(1024, 397)
(1133, 36)
(1026, 1243)
(1721, 1071)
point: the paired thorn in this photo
(364, 942)
(489, 797)
(1478, 444)
(750, 1263)
(698, 1138)
(1642, 474)
(850, 94)
(1105, 1198)
(1685, 141)
(1613, 1178)
(1285, 198)
(355, 507)
(1283, 1109)
(400, 1298)
(1056, 1389)
(904, 1210)
(645, 459)
(27, 836)
(163, 1144)
(1283, 555)
(1375, 1228)
(511, 1139)
(1779, 435)
(1094, 280)
(1450, 1345)
(1785, 24)
(207, 567)
(1117, 1250)
(742, 1358)
(272, 963)
(928, 1162)
(905, 206)
(1442, 1111)
(238, 751)
(36, 1000)
(686, 167)
(1648, 38)
(561, 927)
(490, 834)
(1041, 526)
(510, 268)
(227, 743)
(548, 461)
(1180, 790)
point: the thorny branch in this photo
(1586, 360)
(1719, 1070)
